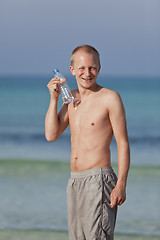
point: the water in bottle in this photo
(64, 89)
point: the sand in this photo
(55, 235)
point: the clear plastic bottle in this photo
(64, 89)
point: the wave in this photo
(40, 137)
(21, 137)
(19, 163)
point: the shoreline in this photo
(59, 235)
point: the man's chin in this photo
(87, 85)
(88, 81)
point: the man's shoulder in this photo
(110, 98)
(108, 93)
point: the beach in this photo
(29, 205)
(52, 235)
(34, 173)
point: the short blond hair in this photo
(88, 49)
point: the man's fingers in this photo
(114, 200)
(55, 79)
(53, 83)
(121, 200)
(113, 203)
(53, 86)
(117, 199)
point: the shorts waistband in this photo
(92, 172)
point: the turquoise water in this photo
(34, 173)
(24, 101)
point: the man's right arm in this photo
(55, 123)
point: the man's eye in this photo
(92, 68)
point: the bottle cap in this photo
(55, 70)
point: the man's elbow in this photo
(51, 138)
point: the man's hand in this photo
(53, 87)
(118, 196)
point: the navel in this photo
(92, 124)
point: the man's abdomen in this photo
(84, 158)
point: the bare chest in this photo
(88, 116)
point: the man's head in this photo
(87, 49)
(85, 65)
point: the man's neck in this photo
(84, 92)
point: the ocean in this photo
(34, 172)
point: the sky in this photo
(37, 36)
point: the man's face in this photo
(85, 69)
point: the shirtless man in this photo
(95, 114)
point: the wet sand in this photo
(55, 235)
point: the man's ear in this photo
(72, 70)
(99, 69)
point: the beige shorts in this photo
(90, 216)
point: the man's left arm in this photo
(118, 122)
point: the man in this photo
(94, 116)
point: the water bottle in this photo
(64, 89)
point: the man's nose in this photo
(87, 72)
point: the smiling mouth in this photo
(87, 79)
